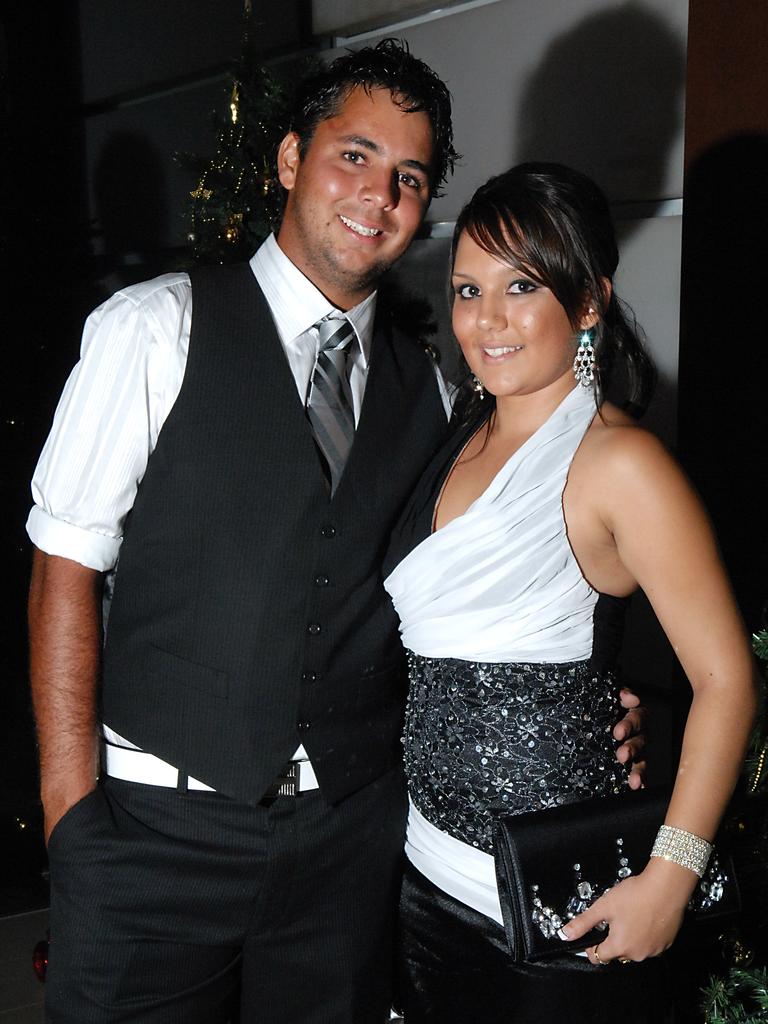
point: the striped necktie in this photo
(329, 405)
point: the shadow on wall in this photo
(131, 211)
(724, 355)
(607, 99)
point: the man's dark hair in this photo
(389, 65)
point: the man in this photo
(243, 843)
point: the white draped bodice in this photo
(500, 582)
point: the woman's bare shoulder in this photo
(612, 425)
(610, 415)
(617, 448)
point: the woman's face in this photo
(515, 335)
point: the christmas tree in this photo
(740, 996)
(238, 199)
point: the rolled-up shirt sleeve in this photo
(106, 425)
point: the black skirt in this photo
(454, 967)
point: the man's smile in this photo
(360, 229)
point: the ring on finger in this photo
(596, 955)
(625, 960)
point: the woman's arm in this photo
(664, 540)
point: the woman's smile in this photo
(497, 353)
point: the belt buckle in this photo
(288, 782)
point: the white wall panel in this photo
(340, 16)
(594, 84)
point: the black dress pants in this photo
(189, 908)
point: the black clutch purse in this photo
(552, 864)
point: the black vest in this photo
(249, 613)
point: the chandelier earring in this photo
(477, 387)
(584, 363)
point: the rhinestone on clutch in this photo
(548, 920)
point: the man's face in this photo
(357, 197)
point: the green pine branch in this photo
(756, 765)
(741, 997)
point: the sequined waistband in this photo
(523, 736)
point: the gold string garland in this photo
(234, 103)
(759, 769)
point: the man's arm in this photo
(65, 656)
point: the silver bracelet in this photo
(682, 848)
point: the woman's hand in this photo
(644, 913)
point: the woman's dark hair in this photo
(389, 65)
(555, 223)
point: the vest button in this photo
(321, 581)
(329, 530)
(314, 628)
(309, 677)
(303, 726)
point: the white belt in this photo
(139, 766)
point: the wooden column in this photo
(723, 376)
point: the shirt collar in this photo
(296, 304)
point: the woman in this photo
(552, 500)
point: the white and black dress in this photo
(512, 702)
